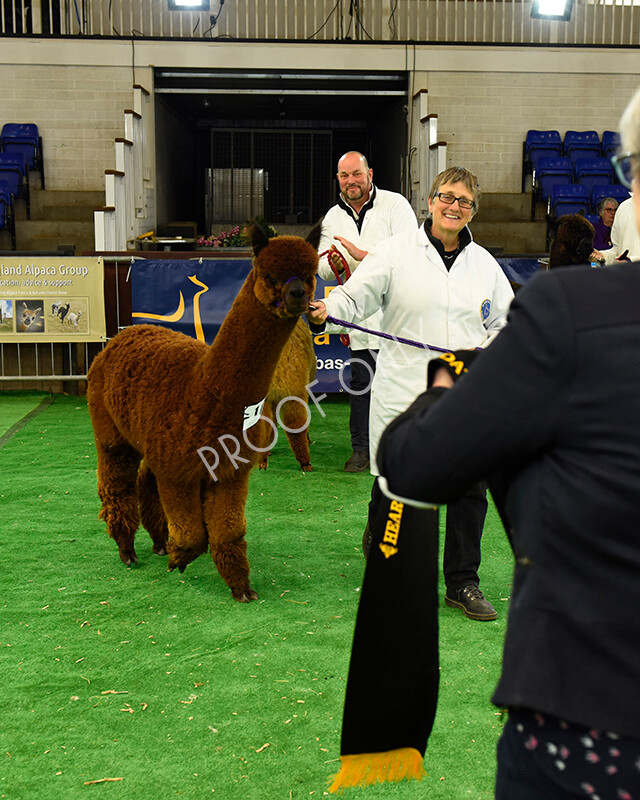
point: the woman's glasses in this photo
(450, 199)
(626, 165)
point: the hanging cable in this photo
(338, 2)
(393, 28)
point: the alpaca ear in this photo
(313, 237)
(552, 223)
(259, 238)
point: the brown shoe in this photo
(358, 462)
(472, 602)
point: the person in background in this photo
(606, 212)
(437, 286)
(550, 413)
(363, 216)
(625, 239)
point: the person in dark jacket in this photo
(550, 415)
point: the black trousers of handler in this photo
(463, 533)
(363, 367)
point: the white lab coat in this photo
(624, 234)
(390, 213)
(406, 278)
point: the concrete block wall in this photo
(79, 113)
(484, 116)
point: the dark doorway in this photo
(270, 141)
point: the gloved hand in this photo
(457, 363)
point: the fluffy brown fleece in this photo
(296, 369)
(572, 240)
(178, 403)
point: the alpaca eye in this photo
(271, 280)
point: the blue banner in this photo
(519, 269)
(194, 296)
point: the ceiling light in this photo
(189, 5)
(552, 9)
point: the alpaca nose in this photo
(295, 291)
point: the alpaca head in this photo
(572, 240)
(285, 268)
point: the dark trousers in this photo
(363, 367)
(463, 532)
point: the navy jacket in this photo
(552, 411)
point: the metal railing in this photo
(31, 364)
(593, 22)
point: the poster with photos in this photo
(46, 299)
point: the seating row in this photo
(575, 145)
(20, 152)
(23, 138)
(588, 172)
(573, 198)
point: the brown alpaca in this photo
(572, 240)
(296, 369)
(180, 404)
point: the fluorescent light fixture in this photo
(189, 5)
(552, 9)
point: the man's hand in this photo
(317, 312)
(442, 378)
(350, 247)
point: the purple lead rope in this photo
(400, 339)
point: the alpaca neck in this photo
(242, 359)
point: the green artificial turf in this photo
(163, 681)
(16, 408)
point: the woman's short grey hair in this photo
(457, 175)
(604, 202)
(630, 129)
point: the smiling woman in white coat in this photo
(437, 286)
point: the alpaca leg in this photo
(226, 524)
(151, 511)
(294, 417)
(266, 435)
(117, 470)
(182, 504)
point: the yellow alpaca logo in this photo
(179, 312)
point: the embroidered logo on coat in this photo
(485, 309)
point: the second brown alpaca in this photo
(295, 370)
(572, 240)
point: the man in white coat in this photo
(363, 216)
(434, 285)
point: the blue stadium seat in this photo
(610, 143)
(537, 145)
(23, 137)
(7, 217)
(581, 144)
(615, 190)
(13, 170)
(591, 172)
(549, 172)
(569, 200)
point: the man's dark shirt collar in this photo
(358, 218)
